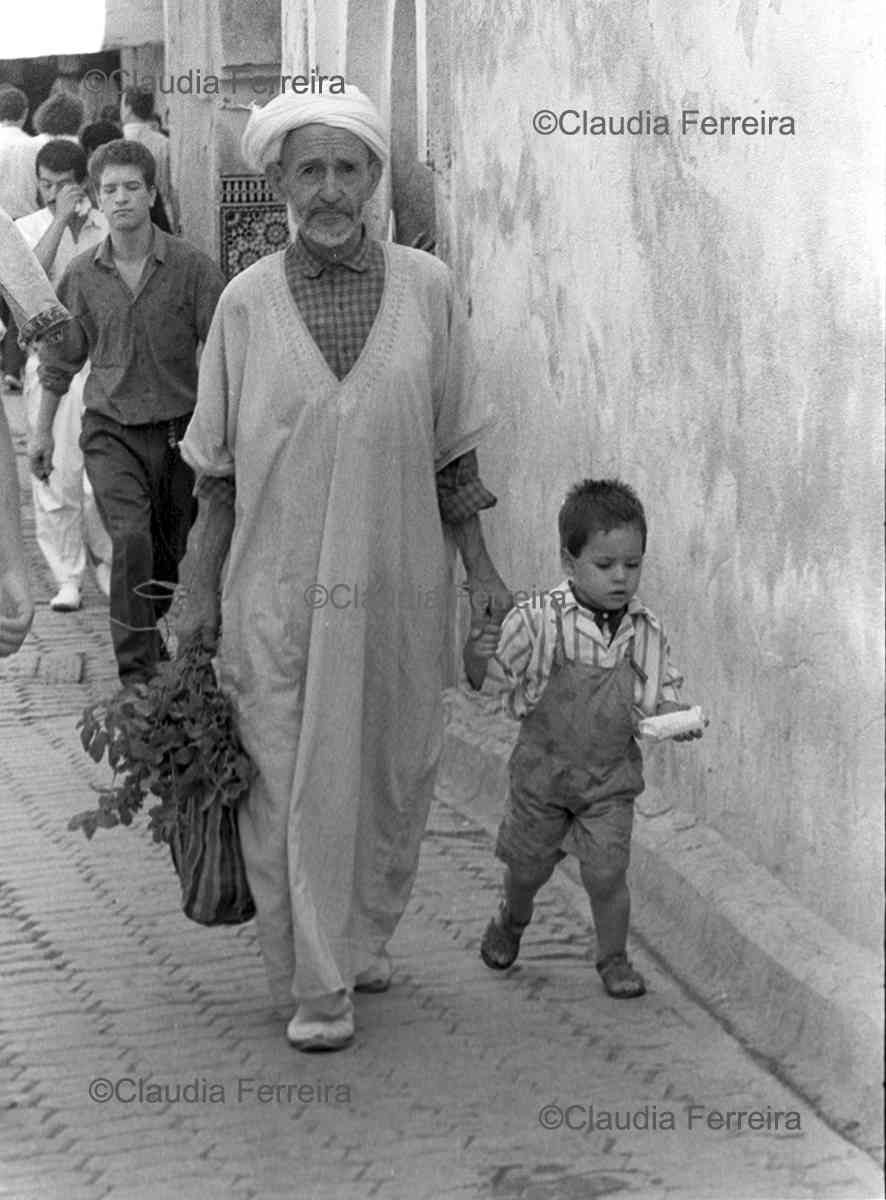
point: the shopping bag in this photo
(208, 860)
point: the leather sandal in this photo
(619, 978)
(501, 941)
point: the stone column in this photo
(223, 58)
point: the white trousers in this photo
(66, 518)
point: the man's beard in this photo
(324, 235)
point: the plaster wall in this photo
(132, 23)
(702, 316)
(239, 44)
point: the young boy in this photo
(580, 666)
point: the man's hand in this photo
(481, 644)
(490, 596)
(668, 706)
(16, 611)
(69, 196)
(41, 447)
(195, 612)
(196, 607)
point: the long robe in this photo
(333, 600)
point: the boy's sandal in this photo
(619, 977)
(501, 941)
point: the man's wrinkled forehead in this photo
(322, 142)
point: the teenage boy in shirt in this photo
(142, 305)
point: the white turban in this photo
(263, 137)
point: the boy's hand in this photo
(481, 644)
(668, 706)
(483, 639)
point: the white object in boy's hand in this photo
(672, 724)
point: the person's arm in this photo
(66, 203)
(62, 353)
(461, 497)
(196, 607)
(24, 284)
(41, 440)
(16, 604)
(500, 656)
(477, 651)
(64, 350)
(490, 596)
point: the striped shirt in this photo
(522, 664)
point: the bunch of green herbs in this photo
(172, 737)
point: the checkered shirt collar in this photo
(311, 265)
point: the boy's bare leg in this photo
(520, 891)
(501, 941)
(611, 907)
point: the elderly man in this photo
(333, 438)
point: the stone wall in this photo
(700, 315)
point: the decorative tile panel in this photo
(252, 222)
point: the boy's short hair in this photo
(97, 133)
(60, 155)
(139, 102)
(13, 102)
(123, 153)
(61, 115)
(596, 506)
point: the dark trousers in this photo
(144, 494)
(11, 352)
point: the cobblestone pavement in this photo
(455, 1073)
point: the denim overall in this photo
(575, 757)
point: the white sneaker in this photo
(103, 578)
(66, 599)
(313, 1030)
(377, 977)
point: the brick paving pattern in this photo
(105, 983)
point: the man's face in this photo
(50, 183)
(325, 175)
(124, 198)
